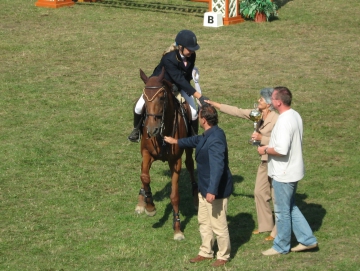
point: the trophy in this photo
(255, 116)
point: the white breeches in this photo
(190, 100)
(139, 105)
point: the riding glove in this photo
(202, 99)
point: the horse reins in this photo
(164, 109)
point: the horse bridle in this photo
(162, 88)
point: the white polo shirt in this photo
(286, 139)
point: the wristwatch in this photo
(265, 151)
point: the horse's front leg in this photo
(189, 162)
(145, 199)
(175, 167)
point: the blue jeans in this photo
(289, 217)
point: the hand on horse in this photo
(202, 99)
(170, 140)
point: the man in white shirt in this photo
(286, 168)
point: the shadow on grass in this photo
(281, 3)
(186, 206)
(197, 11)
(239, 179)
(314, 213)
(240, 229)
(240, 225)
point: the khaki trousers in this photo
(212, 220)
(263, 193)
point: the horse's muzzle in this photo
(152, 131)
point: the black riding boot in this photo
(135, 134)
(195, 126)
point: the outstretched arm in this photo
(214, 104)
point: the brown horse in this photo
(163, 118)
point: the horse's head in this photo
(156, 95)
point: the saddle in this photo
(184, 109)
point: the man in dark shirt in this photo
(215, 185)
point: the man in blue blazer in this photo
(215, 185)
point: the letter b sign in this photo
(213, 19)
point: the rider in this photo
(179, 63)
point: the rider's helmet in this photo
(187, 39)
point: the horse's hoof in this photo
(179, 236)
(139, 209)
(150, 213)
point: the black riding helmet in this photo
(187, 39)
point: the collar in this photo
(210, 130)
(179, 56)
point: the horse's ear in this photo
(162, 74)
(143, 76)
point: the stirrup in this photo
(135, 135)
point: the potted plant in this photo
(250, 9)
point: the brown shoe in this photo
(199, 258)
(257, 231)
(269, 238)
(219, 263)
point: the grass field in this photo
(69, 178)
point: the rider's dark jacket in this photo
(176, 72)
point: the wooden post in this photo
(235, 18)
(229, 8)
(54, 3)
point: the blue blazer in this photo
(212, 161)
